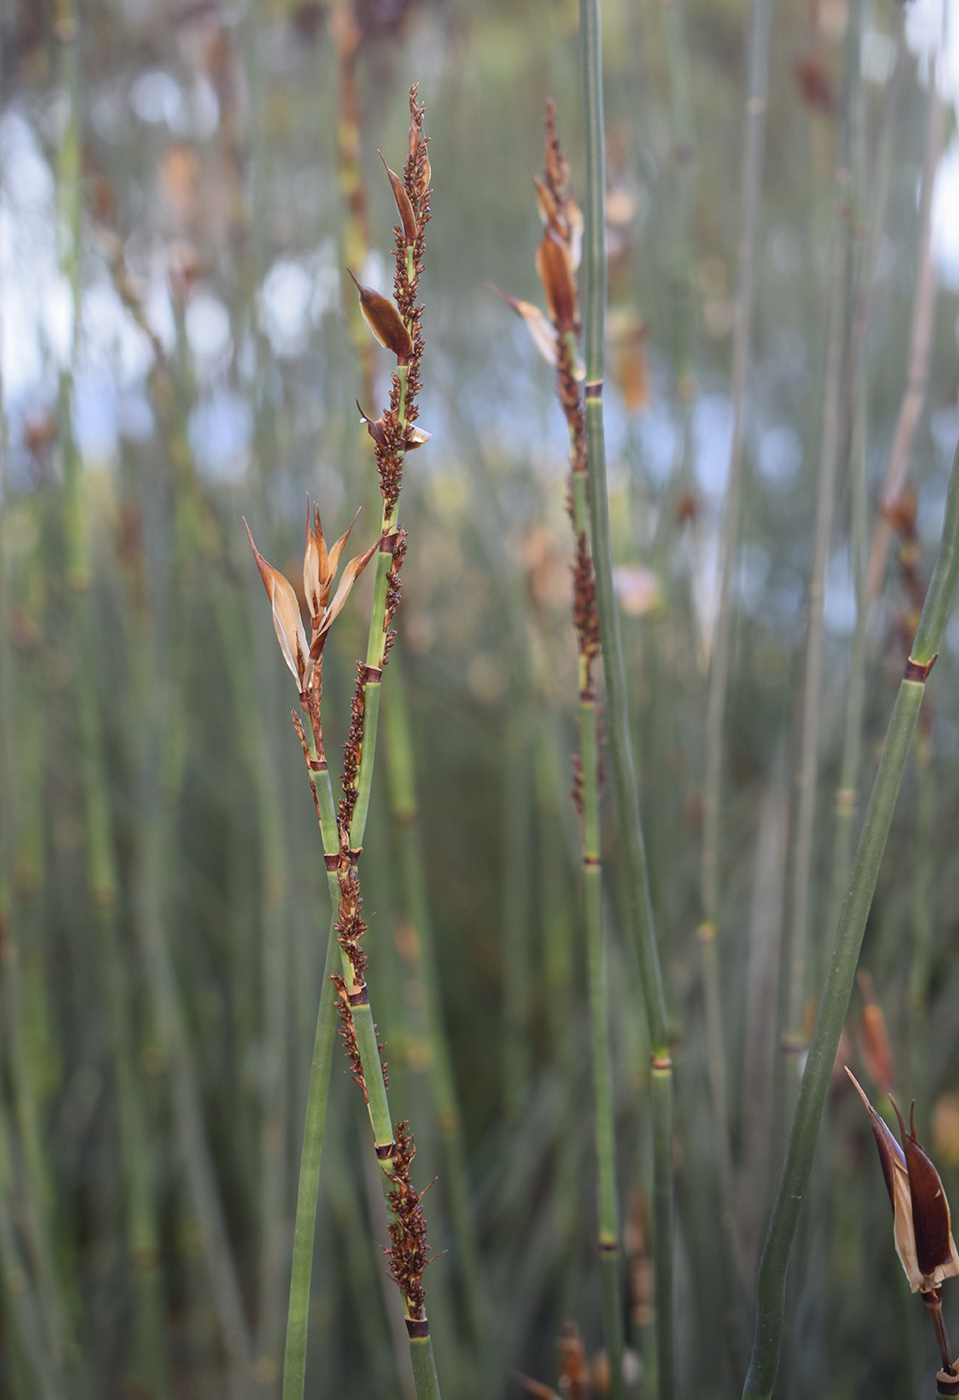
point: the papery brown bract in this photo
(936, 1253)
(403, 205)
(384, 321)
(921, 1222)
(286, 616)
(320, 564)
(552, 264)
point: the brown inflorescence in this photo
(408, 1253)
(393, 589)
(352, 754)
(348, 1034)
(350, 925)
(585, 615)
(391, 440)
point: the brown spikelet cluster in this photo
(408, 1253)
(585, 615)
(412, 195)
(563, 222)
(393, 583)
(350, 925)
(352, 754)
(348, 1034)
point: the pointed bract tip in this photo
(384, 321)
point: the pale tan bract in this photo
(286, 616)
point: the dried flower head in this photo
(922, 1226)
(319, 570)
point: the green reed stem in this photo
(829, 451)
(140, 1209)
(842, 969)
(750, 195)
(403, 801)
(597, 972)
(304, 1229)
(620, 744)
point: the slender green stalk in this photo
(842, 970)
(829, 452)
(304, 1230)
(342, 832)
(403, 801)
(751, 188)
(924, 882)
(141, 1224)
(516, 1058)
(620, 744)
(684, 160)
(920, 345)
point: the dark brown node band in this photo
(918, 670)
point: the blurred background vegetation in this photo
(180, 193)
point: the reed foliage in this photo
(596, 985)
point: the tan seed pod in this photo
(384, 321)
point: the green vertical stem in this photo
(192, 1138)
(847, 791)
(617, 716)
(551, 891)
(516, 941)
(684, 158)
(920, 962)
(298, 1316)
(750, 194)
(920, 344)
(829, 452)
(403, 802)
(141, 1224)
(842, 969)
(603, 1111)
(23, 1313)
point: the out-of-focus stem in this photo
(403, 801)
(829, 451)
(751, 188)
(842, 969)
(620, 744)
(920, 345)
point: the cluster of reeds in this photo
(617, 1018)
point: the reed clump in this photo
(597, 1010)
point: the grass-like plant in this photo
(396, 325)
